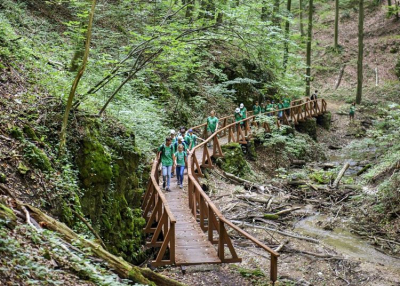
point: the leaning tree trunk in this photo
(360, 51)
(336, 44)
(77, 79)
(287, 26)
(309, 39)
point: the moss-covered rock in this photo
(30, 133)
(325, 120)
(37, 157)
(16, 133)
(251, 150)
(3, 178)
(108, 165)
(308, 126)
(7, 217)
(233, 161)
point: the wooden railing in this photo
(203, 209)
(159, 219)
(296, 115)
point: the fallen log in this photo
(340, 175)
(333, 147)
(246, 183)
(298, 162)
(318, 255)
(364, 169)
(281, 245)
(253, 199)
(120, 266)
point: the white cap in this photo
(241, 105)
(172, 131)
(180, 138)
(237, 110)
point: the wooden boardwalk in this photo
(191, 245)
(185, 224)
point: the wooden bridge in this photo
(185, 224)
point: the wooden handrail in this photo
(302, 101)
(199, 199)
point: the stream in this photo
(345, 243)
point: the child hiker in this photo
(180, 162)
(191, 139)
(166, 154)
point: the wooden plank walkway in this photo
(191, 244)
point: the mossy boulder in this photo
(37, 157)
(30, 133)
(7, 217)
(397, 68)
(233, 161)
(3, 178)
(324, 120)
(308, 126)
(251, 150)
(108, 165)
(16, 133)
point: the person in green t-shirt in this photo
(280, 106)
(166, 155)
(212, 125)
(256, 109)
(238, 117)
(191, 139)
(243, 112)
(263, 109)
(286, 104)
(352, 111)
(180, 162)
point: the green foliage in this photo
(234, 161)
(25, 256)
(37, 157)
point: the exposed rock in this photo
(308, 126)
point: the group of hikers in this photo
(173, 153)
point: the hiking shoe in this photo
(180, 186)
(168, 190)
(172, 175)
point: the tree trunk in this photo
(275, 13)
(390, 9)
(190, 9)
(120, 266)
(340, 76)
(264, 11)
(301, 17)
(336, 44)
(309, 39)
(360, 51)
(287, 26)
(77, 79)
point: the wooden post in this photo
(172, 243)
(274, 268)
(221, 244)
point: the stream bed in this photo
(345, 243)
